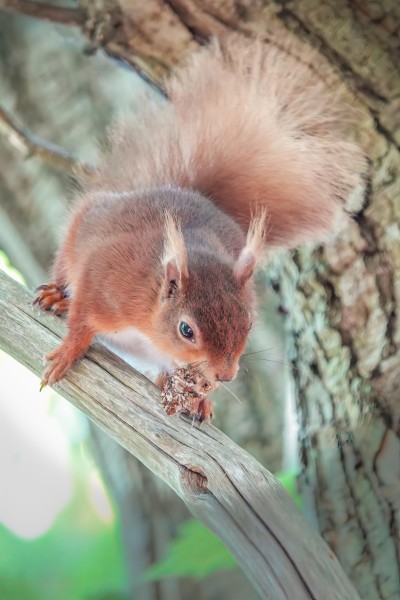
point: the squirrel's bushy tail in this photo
(249, 126)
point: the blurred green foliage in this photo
(197, 552)
(289, 481)
(79, 558)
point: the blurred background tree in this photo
(340, 305)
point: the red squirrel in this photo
(160, 252)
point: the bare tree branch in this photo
(31, 145)
(223, 486)
(43, 10)
(125, 33)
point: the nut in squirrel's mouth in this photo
(184, 392)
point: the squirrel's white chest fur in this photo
(138, 350)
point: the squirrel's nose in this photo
(227, 375)
(221, 380)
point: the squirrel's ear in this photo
(244, 267)
(253, 250)
(174, 258)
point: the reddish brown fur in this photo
(249, 130)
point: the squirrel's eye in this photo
(186, 330)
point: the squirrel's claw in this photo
(203, 411)
(51, 297)
(61, 307)
(59, 364)
(43, 384)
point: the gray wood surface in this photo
(223, 486)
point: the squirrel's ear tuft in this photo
(253, 250)
(174, 258)
(244, 267)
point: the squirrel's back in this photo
(249, 127)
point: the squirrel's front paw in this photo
(51, 297)
(60, 361)
(202, 410)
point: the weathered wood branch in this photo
(31, 145)
(105, 25)
(223, 486)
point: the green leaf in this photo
(196, 552)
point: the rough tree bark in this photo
(341, 303)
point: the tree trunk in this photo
(342, 303)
